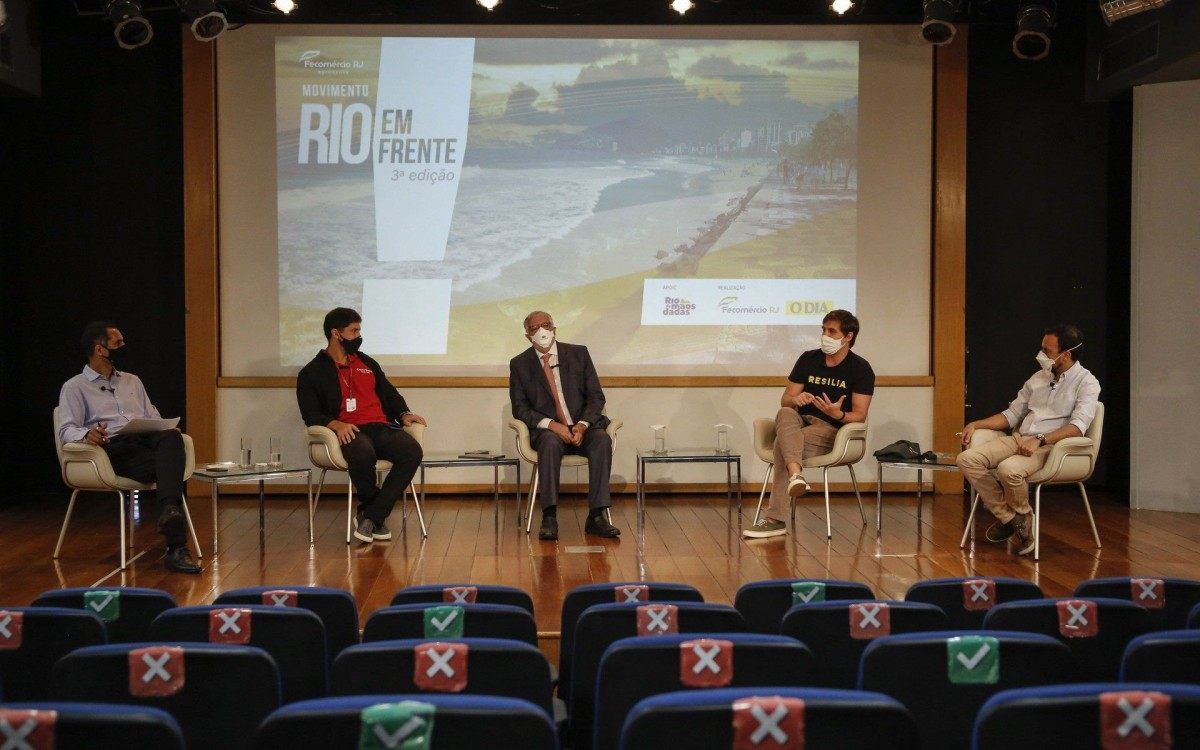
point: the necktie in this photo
(558, 402)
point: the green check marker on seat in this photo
(444, 622)
(804, 592)
(973, 660)
(104, 604)
(407, 725)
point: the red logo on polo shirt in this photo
(1135, 720)
(768, 724)
(281, 598)
(657, 619)
(706, 662)
(440, 667)
(870, 620)
(979, 594)
(12, 626)
(229, 625)
(156, 671)
(460, 594)
(22, 729)
(1150, 593)
(1078, 618)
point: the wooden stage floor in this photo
(689, 539)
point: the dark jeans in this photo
(597, 446)
(153, 457)
(378, 441)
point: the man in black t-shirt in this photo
(827, 388)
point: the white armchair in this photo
(1071, 461)
(326, 454)
(849, 446)
(526, 451)
(86, 468)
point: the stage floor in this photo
(689, 539)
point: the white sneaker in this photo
(797, 486)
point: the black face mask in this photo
(350, 346)
(116, 355)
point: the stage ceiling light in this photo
(130, 27)
(1115, 10)
(938, 27)
(488, 4)
(284, 6)
(682, 6)
(841, 7)
(1035, 18)
(206, 20)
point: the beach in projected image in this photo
(687, 204)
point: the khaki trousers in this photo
(796, 438)
(1006, 492)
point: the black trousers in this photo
(153, 457)
(597, 446)
(375, 441)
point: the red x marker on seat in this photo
(23, 729)
(1135, 720)
(156, 671)
(768, 724)
(12, 628)
(706, 662)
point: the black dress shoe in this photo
(180, 560)
(171, 522)
(549, 528)
(599, 526)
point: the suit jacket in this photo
(530, 393)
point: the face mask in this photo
(543, 338)
(1046, 362)
(350, 346)
(830, 346)
(116, 355)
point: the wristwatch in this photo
(1041, 436)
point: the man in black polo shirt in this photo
(828, 387)
(346, 391)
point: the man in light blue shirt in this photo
(96, 404)
(1058, 402)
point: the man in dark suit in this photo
(555, 390)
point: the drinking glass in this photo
(276, 453)
(244, 460)
(722, 438)
(660, 438)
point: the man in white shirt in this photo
(1058, 402)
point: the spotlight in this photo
(284, 6)
(1035, 18)
(206, 20)
(938, 27)
(1115, 10)
(682, 6)
(130, 27)
(841, 7)
(488, 4)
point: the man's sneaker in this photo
(1023, 541)
(365, 531)
(998, 533)
(797, 486)
(381, 534)
(766, 527)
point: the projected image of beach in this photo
(684, 204)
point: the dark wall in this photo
(1047, 224)
(91, 221)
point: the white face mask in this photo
(1046, 362)
(543, 338)
(831, 346)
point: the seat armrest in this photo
(416, 431)
(189, 456)
(613, 426)
(323, 448)
(524, 446)
(87, 466)
(850, 442)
